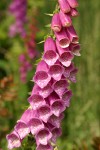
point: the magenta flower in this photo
(73, 3)
(65, 55)
(44, 113)
(50, 54)
(22, 129)
(64, 6)
(57, 132)
(65, 19)
(56, 71)
(36, 101)
(56, 23)
(74, 12)
(35, 125)
(43, 136)
(63, 39)
(13, 140)
(72, 35)
(42, 78)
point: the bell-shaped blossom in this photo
(64, 6)
(63, 39)
(73, 3)
(35, 125)
(72, 76)
(56, 71)
(56, 121)
(72, 35)
(13, 140)
(74, 12)
(22, 129)
(56, 23)
(50, 55)
(65, 55)
(68, 70)
(44, 113)
(42, 77)
(56, 132)
(75, 48)
(44, 92)
(57, 107)
(43, 136)
(60, 86)
(66, 97)
(65, 19)
(36, 101)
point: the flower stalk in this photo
(51, 94)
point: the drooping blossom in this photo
(51, 94)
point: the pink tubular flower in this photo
(35, 125)
(57, 132)
(75, 48)
(73, 3)
(63, 39)
(72, 35)
(36, 101)
(50, 55)
(44, 113)
(60, 86)
(65, 55)
(22, 129)
(56, 71)
(74, 12)
(42, 77)
(56, 121)
(56, 23)
(13, 140)
(65, 19)
(64, 6)
(43, 136)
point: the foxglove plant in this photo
(19, 9)
(51, 93)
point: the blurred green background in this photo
(82, 119)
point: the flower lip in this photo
(41, 78)
(43, 136)
(56, 71)
(22, 129)
(50, 57)
(60, 86)
(44, 112)
(36, 101)
(66, 58)
(63, 38)
(44, 147)
(35, 125)
(13, 140)
(57, 107)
